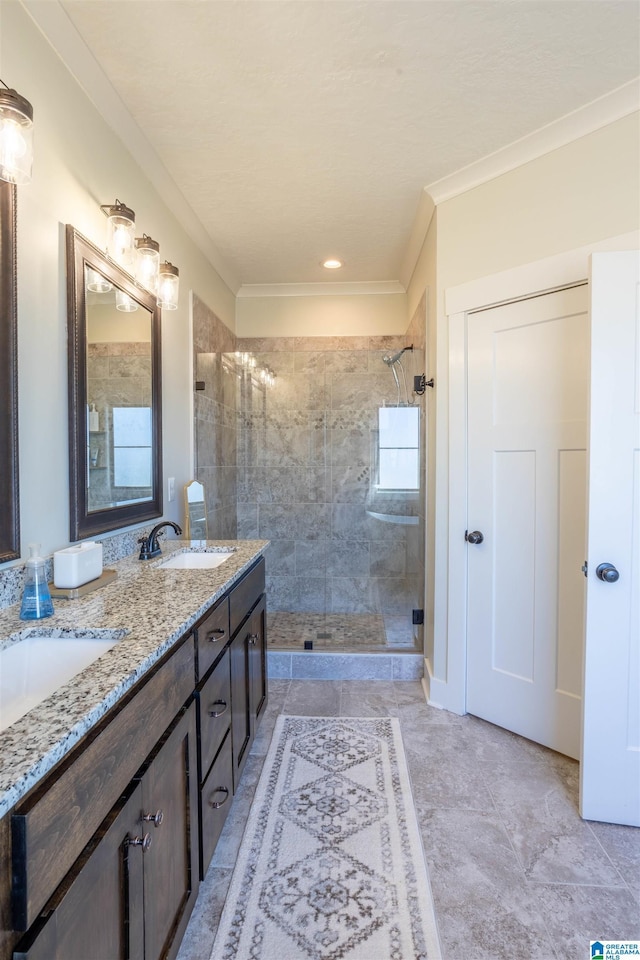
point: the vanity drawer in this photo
(212, 635)
(215, 800)
(215, 712)
(245, 594)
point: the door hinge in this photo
(585, 568)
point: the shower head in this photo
(390, 360)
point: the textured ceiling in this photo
(296, 130)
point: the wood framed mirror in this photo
(115, 395)
(195, 511)
(10, 505)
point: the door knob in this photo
(474, 537)
(607, 573)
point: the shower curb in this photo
(311, 665)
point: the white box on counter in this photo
(74, 566)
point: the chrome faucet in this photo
(149, 545)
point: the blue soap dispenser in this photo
(36, 599)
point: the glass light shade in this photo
(168, 286)
(16, 137)
(124, 302)
(96, 282)
(147, 263)
(121, 229)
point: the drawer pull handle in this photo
(216, 635)
(253, 638)
(144, 842)
(154, 818)
(214, 714)
(216, 804)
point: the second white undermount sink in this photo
(195, 560)
(40, 660)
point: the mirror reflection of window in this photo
(398, 448)
(132, 435)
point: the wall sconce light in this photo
(124, 302)
(121, 224)
(16, 136)
(169, 282)
(147, 262)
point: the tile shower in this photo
(297, 461)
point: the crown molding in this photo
(424, 214)
(384, 287)
(54, 24)
(613, 106)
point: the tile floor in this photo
(338, 632)
(515, 872)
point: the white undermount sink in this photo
(195, 560)
(40, 660)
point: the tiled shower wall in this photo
(216, 419)
(305, 461)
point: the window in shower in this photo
(398, 448)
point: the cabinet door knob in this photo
(154, 818)
(144, 842)
(213, 713)
(216, 804)
(214, 636)
(253, 638)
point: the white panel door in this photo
(610, 769)
(527, 438)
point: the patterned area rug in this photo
(331, 866)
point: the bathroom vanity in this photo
(114, 790)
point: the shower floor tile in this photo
(332, 632)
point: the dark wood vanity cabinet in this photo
(170, 864)
(99, 913)
(132, 890)
(248, 684)
(105, 854)
(231, 698)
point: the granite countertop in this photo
(155, 606)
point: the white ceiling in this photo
(297, 130)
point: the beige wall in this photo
(580, 194)
(367, 315)
(583, 192)
(79, 164)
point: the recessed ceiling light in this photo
(332, 264)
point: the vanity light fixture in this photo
(332, 264)
(16, 136)
(124, 302)
(121, 228)
(147, 262)
(96, 282)
(169, 282)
